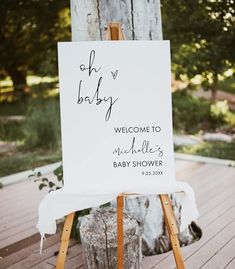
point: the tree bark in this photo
(214, 88)
(140, 20)
(148, 211)
(98, 236)
(18, 78)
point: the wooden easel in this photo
(114, 32)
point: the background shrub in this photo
(42, 125)
(11, 130)
(192, 114)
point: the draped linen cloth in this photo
(60, 203)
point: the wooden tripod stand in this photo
(114, 32)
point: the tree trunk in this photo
(98, 236)
(214, 88)
(140, 19)
(213, 94)
(18, 78)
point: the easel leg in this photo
(65, 241)
(120, 241)
(172, 229)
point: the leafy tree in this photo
(28, 34)
(202, 37)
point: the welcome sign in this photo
(116, 116)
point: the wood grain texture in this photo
(99, 239)
(172, 228)
(64, 242)
(120, 232)
(217, 213)
(230, 264)
(85, 20)
(209, 233)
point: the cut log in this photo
(99, 240)
(148, 211)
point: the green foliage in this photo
(36, 133)
(42, 125)
(11, 130)
(192, 114)
(220, 110)
(221, 114)
(44, 182)
(29, 31)
(13, 108)
(202, 37)
(26, 160)
(43, 89)
(56, 184)
(214, 149)
(58, 172)
(227, 85)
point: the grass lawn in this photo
(13, 108)
(221, 150)
(38, 131)
(21, 161)
(43, 87)
(228, 85)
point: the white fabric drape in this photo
(59, 203)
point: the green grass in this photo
(11, 130)
(42, 125)
(13, 108)
(228, 85)
(38, 133)
(39, 129)
(43, 87)
(21, 161)
(221, 150)
(7, 86)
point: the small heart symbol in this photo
(114, 74)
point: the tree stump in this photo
(98, 233)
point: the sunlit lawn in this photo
(27, 160)
(43, 86)
(216, 149)
(44, 92)
(228, 85)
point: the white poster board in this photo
(116, 116)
